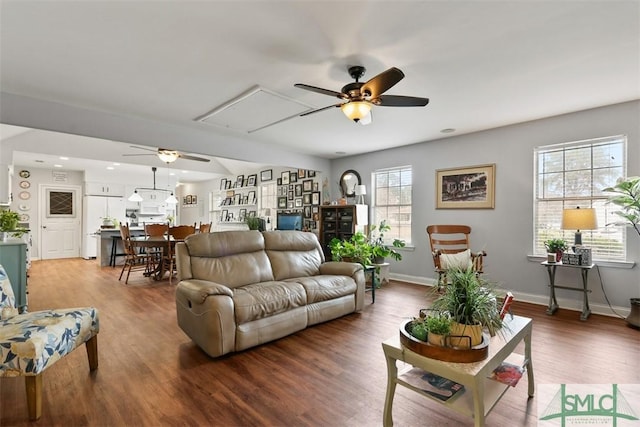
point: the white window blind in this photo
(392, 201)
(573, 175)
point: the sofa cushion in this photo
(323, 288)
(293, 254)
(232, 258)
(265, 299)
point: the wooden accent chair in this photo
(134, 260)
(450, 248)
(179, 232)
(32, 342)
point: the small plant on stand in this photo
(556, 246)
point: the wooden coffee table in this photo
(481, 393)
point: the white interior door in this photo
(60, 221)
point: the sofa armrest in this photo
(198, 290)
(340, 268)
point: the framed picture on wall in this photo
(466, 188)
(282, 203)
(266, 175)
(251, 180)
(285, 177)
(311, 174)
(306, 199)
(239, 181)
(301, 173)
(298, 190)
(293, 177)
(223, 183)
(307, 185)
(315, 198)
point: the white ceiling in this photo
(483, 64)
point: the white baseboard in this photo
(543, 300)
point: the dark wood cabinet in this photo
(341, 221)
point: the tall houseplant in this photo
(472, 303)
(379, 248)
(626, 195)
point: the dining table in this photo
(166, 244)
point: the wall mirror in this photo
(348, 182)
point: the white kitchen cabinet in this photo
(95, 208)
(103, 189)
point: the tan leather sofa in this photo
(239, 289)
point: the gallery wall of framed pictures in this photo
(298, 190)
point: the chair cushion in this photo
(7, 297)
(31, 342)
(460, 260)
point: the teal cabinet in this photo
(13, 257)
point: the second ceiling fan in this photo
(167, 155)
(360, 97)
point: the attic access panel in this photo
(254, 110)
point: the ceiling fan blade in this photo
(188, 157)
(400, 101)
(321, 90)
(319, 109)
(382, 82)
(134, 155)
(143, 148)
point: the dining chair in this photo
(134, 260)
(204, 228)
(156, 230)
(177, 233)
(450, 248)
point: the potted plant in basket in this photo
(626, 195)
(472, 304)
(9, 224)
(381, 250)
(557, 247)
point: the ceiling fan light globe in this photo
(168, 156)
(356, 110)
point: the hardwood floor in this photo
(333, 374)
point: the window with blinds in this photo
(572, 175)
(392, 201)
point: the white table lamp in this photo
(360, 191)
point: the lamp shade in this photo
(171, 200)
(135, 197)
(356, 110)
(361, 190)
(579, 219)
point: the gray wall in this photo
(506, 232)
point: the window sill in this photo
(611, 264)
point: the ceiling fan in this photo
(167, 155)
(360, 97)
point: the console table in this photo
(553, 303)
(481, 393)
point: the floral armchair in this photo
(32, 342)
